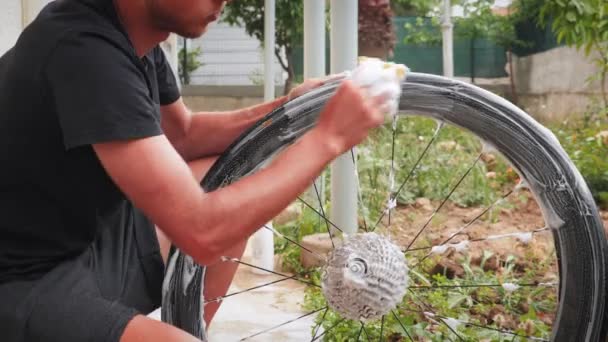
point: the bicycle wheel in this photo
(565, 202)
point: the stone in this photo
(448, 146)
(321, 245)
(450, 269)
(603, 136)
(423, 203)
(488, 157)
(288, 214)
(490, 160)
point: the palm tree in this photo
(376, 31)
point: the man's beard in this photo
(166, 21)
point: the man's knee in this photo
(141, 328)
(199, 168)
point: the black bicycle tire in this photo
(560, 190)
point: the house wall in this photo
(14, 16)
(220, 98)
(11, 23)
(553, 85)
(31, 8)
(230, 57)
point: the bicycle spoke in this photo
(331, 238)
(443, 319)
(470, 223)
(277, 233)
(365, 331)
(402, 325)
(316, 330)
(508, 286)
(282, 324)
(392, 171)
(359, 194)
(318, 213)
(382, 329)
(359, 333)
(235, 260)
(444, 201)
(506, 332)
(424, 152)
(429, 312)
(477, 217)
(438, 249)
(451, 329)
(221, 298)
(328, 330)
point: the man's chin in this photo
(192, 32)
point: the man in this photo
(97, 148)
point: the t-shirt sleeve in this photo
(168, 91)
(99, 92)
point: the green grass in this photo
(589, 152)
(453, 151)
(527, 311)
(520, 312)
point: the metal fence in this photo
(472, 57)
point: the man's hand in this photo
(309, 85)
(348, 117)
(203, 225)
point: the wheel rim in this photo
(417, 298)
(564, 203)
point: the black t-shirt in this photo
(73, 79)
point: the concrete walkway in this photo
(249, 313)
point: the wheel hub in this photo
(365, 278)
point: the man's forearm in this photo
(233, 213)
(210, 133)
(205, 225)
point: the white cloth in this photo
(381, 78)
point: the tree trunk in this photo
(185, 73)
(604, 71)
(514, 98)
(290, 72)
(472, 58)
(603, 85)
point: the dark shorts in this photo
(89, 298)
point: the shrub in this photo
(587, 145)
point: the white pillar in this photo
(314, 38)
(344, 45)
(11, 23)
(263, 240)
(269, 43)
(314, 61)
(30, 10)
(448, 39)
(171, 50)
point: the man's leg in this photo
(141, 328)
(218, 277)
(199, 168)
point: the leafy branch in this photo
(288, 26)
(583, 24)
